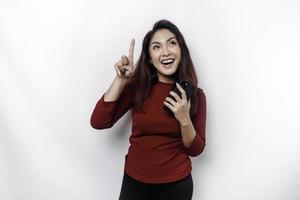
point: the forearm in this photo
(115, 89)
(188, 132)
(107, 111)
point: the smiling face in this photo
(165, 54)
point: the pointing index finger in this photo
(131, 50)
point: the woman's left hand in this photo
(180, 107)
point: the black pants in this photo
(135, 190)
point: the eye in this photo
(155, 47)
(173, 42)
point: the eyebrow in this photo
(167, 40)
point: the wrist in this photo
(186, 122)
(121, 81)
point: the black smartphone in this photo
(189, 90)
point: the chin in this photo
(169, 72)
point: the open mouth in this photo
(167, 62)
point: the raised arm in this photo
(117, 99)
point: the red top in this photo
(156, 153)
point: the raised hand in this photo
(125, 66)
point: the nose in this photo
(165, 51)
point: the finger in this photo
(131, 50)
(121, 67)
(171, 101)
(119, 63)
(189, 102)
(122, 70)
(182, 92)
(175, 95)
(169, 106)
(124, 60)
(127, 67)
(117, 69)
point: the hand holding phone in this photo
(189, 90)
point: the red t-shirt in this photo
(156, 153)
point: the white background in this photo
(56, 60)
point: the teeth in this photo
(168, 61)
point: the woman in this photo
(157, 165)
